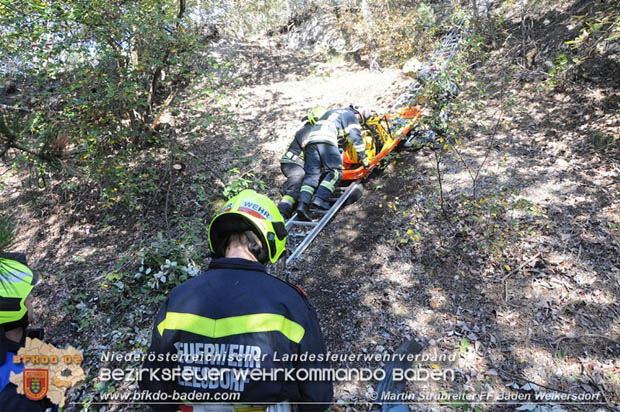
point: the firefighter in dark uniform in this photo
(321, 155)
(16, 283)
(235, 318)
(292, 164)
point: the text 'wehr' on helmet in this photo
(249, 211)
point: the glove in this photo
(365, 162)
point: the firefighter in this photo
(292, 164)
(321, 155)
(16, 283)
(235, 318)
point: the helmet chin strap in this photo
(256, 248)
(357, 112)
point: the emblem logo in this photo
(36, 383)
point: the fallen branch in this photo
(524, 264)
(441, 199)
(30, 152)
(486, 156)
(163, 108)
(10, 141)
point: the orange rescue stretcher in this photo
(381, 135)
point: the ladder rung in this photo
(304, 223)
(328, 215)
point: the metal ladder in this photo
(442, 55)
(450, 43)
(301, 233)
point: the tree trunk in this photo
(372, 45)
(157, 74)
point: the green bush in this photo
(93, 75)
(238, 181)
(602, 140)
(400, 31)
(167, 263)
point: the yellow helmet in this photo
(249, 211)
(16, 283)
(315, 114)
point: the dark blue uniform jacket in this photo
(237, 317)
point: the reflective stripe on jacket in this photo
(336, 126)
(237, 317)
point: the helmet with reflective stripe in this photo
(315, 114)
(16, 283)
(249, 211)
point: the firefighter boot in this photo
(303, 213)
(286, 209)
(320, 203)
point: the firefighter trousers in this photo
(320, 157)
(294, 178)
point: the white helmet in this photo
(364, 112)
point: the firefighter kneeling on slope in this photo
(292, 164)
(321, 155)
(236, 318)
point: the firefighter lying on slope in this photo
(321, 155)
(237, 318)
(292, 164)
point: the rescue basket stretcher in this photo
(377, 134)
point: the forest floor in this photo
(515, 275)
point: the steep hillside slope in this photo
(501, 251)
